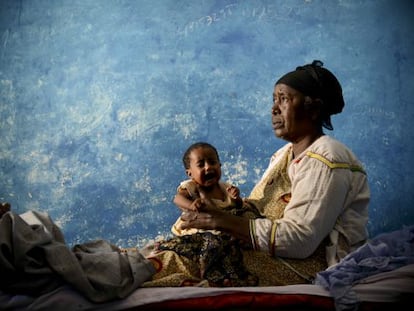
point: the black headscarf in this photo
(317, 82)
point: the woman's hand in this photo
(210, 217)
(204, 217)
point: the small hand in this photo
(197, 205)
(233, 192)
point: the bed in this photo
(379, 292)
(378, 276)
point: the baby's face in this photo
(205, 167)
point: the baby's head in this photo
(202, 164)
(187, 153)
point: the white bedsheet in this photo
(393, 286)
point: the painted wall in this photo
(99, 99)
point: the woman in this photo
(314, 195)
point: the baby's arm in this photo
(234, 193)
(183, 200)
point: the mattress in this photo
(377, 292)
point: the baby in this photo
(219, 255)
(202, 166)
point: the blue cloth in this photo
(386, 252)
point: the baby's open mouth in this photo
(209, 176)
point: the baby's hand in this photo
(233, 191)
(197, 205)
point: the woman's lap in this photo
(174, 270)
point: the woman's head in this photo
(320, 87)
(202, 164)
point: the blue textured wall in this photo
(99, 99)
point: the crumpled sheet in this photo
(386, 252)
(34, 260)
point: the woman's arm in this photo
(309, 217)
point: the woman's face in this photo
(290, 120)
